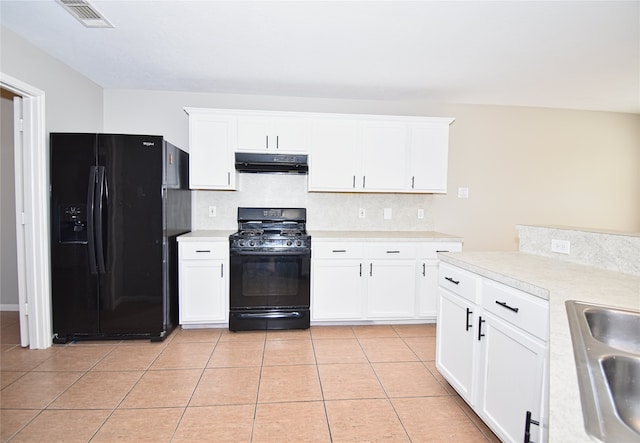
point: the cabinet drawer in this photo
(525, 311)
(391, 250)
(459, 281)
(203, 250)
(337, 250)
(429, 250)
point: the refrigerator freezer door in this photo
(132, 286)
(74, 287)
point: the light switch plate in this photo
(463, 192)
(361, 213)
(420, 214)
(387, 213)
(212, 211)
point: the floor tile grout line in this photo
(324, 403)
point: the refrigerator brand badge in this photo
(148, 143)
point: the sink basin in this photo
(615, 328)
(606, 348)
(623, 380)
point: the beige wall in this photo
(522, 165)
(72, 102)
(539, 166)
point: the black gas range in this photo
(270, 267)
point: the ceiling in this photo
(574, 54)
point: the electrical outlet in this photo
(463, 192)
(387, 214)
(561, 246)
(212, 211)
(361, 213)
(420, 214)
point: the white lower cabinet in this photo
(455, 347)
(378, 281)
(492, 348)
(512, 367)
(391, 289)
(342, 290)
(203, 282)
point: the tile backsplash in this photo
(614, 251)
(325, 211)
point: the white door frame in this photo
(32, 225)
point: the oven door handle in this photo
(246, 315)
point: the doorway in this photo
(32, 213)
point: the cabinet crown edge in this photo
(272, 113)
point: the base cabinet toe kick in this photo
(492, 347)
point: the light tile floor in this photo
(325, 384)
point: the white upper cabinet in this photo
(335, 159)
(352, 153)
(211, 153)
(347, 152)
(270, 133)
(384, 150)
(428, 156)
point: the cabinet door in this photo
(384, 157)
(203, 295)
(260, 133)
(428, 289)
(290, 134)
(511, 382)
(455, 347)
(253, 133)
(391, 289)
(428, 157)
(338, 290)
(334, 161)
(211, 162)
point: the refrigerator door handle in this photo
(91, 202)
(100, 196)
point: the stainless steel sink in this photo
(616, 328)
(606, 347)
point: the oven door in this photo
(269, 280)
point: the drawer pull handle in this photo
(455, 282)
(505, 305)
(480, 334)
(393, 252)
(468, 325)
(203, 250)
(424, 269)
(442, 250)
(360, 269)
(339, 250)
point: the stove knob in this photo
(252, 243)
(289, 242)
(298, 243)
(241, 242)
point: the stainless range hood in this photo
(273, 163)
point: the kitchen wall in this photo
(8, 251)
(521, 165)
(73, 103)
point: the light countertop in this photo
(557, 281)
(382, 236)
(206, 235)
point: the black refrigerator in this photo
(118, 202)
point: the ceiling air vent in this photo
(86, 13)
